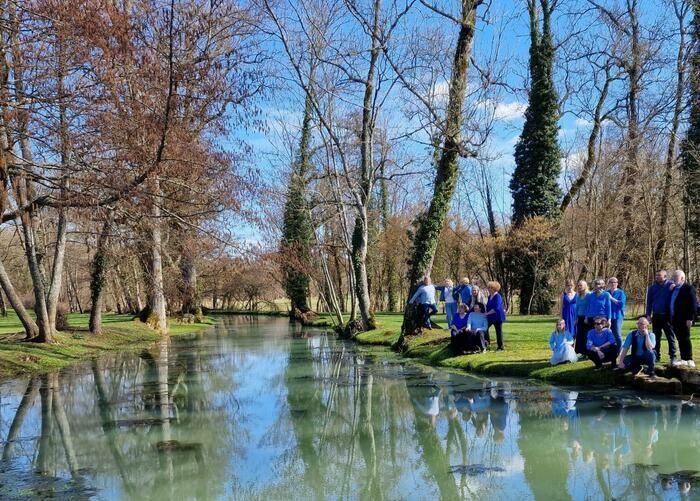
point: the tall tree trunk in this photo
(631, 169)
(44, 453)
(660, 249)
(431, 224)
(30, 328)
(360, 237)
(188, 269)
(3, 307)
(156, 295)
(54, 291)
(98, 277)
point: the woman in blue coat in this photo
(495, 312)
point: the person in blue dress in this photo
(582, 326)
(618, 300)
(568, 306)
(562, 344)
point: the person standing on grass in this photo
(600, 343)
(477, 296)
(568, 306)
(582, 328)
(425, 297)
(447, 295)
(684, 305)
(495, 312)
(658, 311)
(464, 292)
(598, 303)
(618, 300)
(642, 342)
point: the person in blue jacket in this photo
(425, 297)
(618, 300)
(495, 312)
(598, 302)
(464, 291)
(658, 311)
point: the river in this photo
(256, 408)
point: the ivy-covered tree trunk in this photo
(98, 278)
(431, 223)
(534, 184)
(691, 145)
(297, 231)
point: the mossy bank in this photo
(120, 333)
(527, 352)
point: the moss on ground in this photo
(120, 333)
(527, 351)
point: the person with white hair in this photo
(684, 305)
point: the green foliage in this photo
(534, 185)
(690, 149)
(152, 320)
(297, 231)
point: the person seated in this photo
(562, 344)
(458, 329)
(600, 343)
(477, 328)
(642, 343)
(425, 297)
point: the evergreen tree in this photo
(691, 146)
(297, 231)
(534, 184)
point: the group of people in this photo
(469, 314)
(591, 324)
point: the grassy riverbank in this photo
(527, 351)
(120, 333)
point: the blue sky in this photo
(503, 29)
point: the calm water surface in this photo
(256, 409)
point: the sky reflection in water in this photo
(257, 409)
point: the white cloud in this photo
(583, 122)
(510, 111)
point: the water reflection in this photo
(259, 409)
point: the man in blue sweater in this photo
(658, 311)
(600, 343)
(598, 302)
(640, 344)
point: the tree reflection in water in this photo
(261, 409)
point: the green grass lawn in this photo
(527, 350)
(120, 332)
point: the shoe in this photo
(652, 376)
(691, 364)
(683, 363)
(500, 349)
(676, 362)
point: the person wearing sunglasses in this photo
(598, 302)
(601, 344)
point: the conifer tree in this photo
(297, 231)
(534, 184)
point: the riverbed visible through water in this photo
(256, 408)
